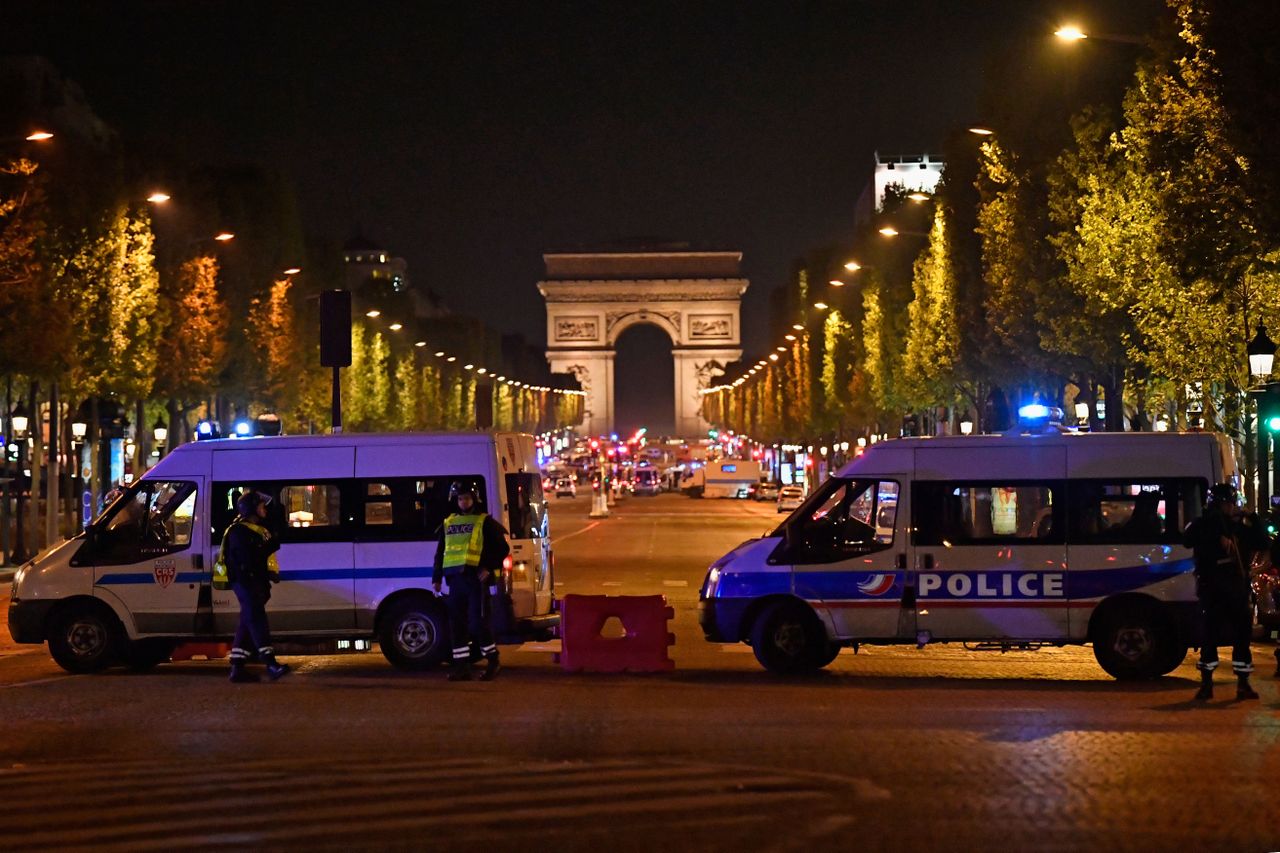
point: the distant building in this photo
(915, 172)
(372, 272)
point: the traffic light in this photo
(1269, 408)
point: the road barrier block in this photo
(642, 648)
(210, 651)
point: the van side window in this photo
(298, 512)
(431, 499)
(968, 513)
(1129, 511)
(844, 518)
(377, 505)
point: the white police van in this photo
(357, 517)
(1000, 541)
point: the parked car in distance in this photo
(790, 498)
(566, 488)
(767, 492)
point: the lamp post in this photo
(1262, 355)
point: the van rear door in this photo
(989, 549)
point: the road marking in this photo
(611, 583)
(675, 583)
(575, 533)
(49, 680)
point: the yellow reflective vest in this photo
(463, 542)
(220, 578)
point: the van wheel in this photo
(1136, 642)
(84, 638)
(788, 639)
(414, 634)
(144, 655)
(1177, 653)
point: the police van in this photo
(357, 518)
(999, 541)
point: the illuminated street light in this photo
(889, 231)
(918, 196)
(782, 349)
(773, 356)
(835, 282)
(852, 266)
(482, 371)
(468, 367)
(440, 354)
(1070, 33)
(39, 136)
(395, 327)
(451, 359)
(293, 270)
(160, 431)
(791, 337)
(798, 327)
(373, 313)
(1262, 354)
(224, 236)
(981, 131)
(821, 306)
(158, 197)
(420, 344)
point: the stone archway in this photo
(594, 296)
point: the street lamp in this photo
(889, 231)
(160, 432)
(224, 236)
(980, 130)
(39, 136)
(966, 424)
(1262, 354)
(20, 421)
(79, 429)
(1070, 33)
(852, 266)
(158, 197)
(293, 270)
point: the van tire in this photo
(84, 637)
(144, 655)
(1135, 641)
(414, 634)
(789, 640)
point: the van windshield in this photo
(526, 507)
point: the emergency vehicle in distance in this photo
(357, 517)
(1015, 541)
(721, 478)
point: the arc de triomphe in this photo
(593, 297)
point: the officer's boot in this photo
(240, 675)
(275, 669)
(491, 667)
(1243, 690)
(1205, 693)
(460, 670)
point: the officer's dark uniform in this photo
(1224, 541)
(247, 547)
(468, 543)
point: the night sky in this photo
(470, 137)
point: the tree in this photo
(929, 364)
(837, 365)
(272, 331)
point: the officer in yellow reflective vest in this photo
(470, 551)
(247, 563)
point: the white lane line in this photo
(675, 583)
(49, 680)
(611, 583)
(576, 532)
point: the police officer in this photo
(1224, 540)
(248, 552)
(472, 546)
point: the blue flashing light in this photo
(205, 428)
(1033, 412)
(244, 429)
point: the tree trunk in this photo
(93, 438)
(53, 516)
(36, 431)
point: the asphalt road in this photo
(888, 749)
